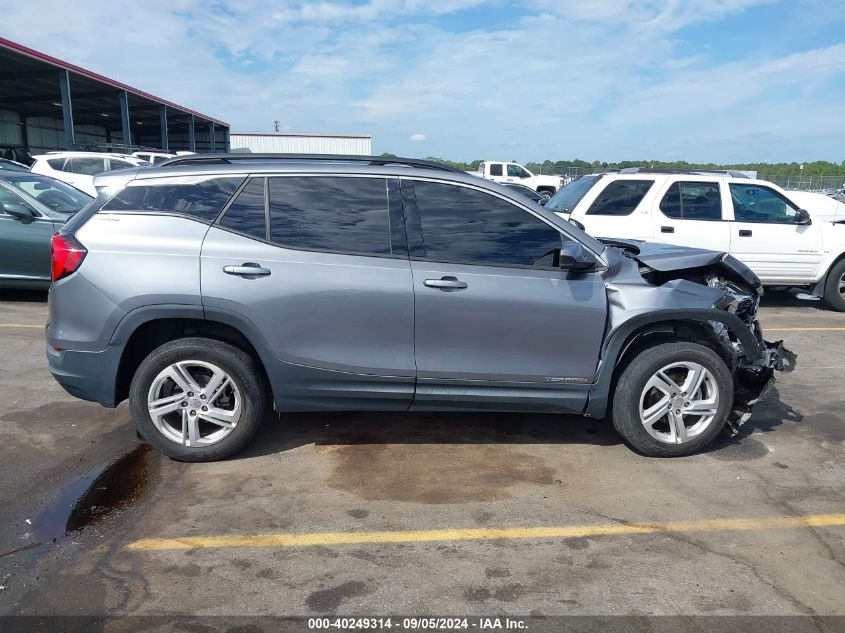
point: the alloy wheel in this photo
(194, 403)
(679, 402)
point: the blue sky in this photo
(705, 80)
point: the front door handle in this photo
(247, 270)
(667, 229)
(745, 232)
(446, 283)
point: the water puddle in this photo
(93, 496)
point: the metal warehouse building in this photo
(288, 143)
(48, 104)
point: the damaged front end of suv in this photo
(657, 291)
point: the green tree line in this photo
(811, 169)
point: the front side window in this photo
(9, 197)
(246, 213)
(57, 163)
(515, 171)
(469, 226)
(201, 197)
(620, 197)
(753, 203)
(345, 215)
(692, 201)
(496, 169)
(86, 166)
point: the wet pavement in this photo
(79, 490)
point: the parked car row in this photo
(36, 200)
(32, 208)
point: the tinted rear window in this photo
(347, 215)
(620, 197)
(200, 197)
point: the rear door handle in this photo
(667, 229)
(446, 283)
(745, 232)
(247, 270)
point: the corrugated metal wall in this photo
(302, 144)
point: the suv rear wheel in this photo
(672, 399)
(197, 399)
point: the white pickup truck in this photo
(506, 171)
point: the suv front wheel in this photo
(672, 399)
(834, 290)
(197, 399)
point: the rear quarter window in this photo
(200, 197)
(620, 197)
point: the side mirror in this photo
(574, 258)
(802, 216)
(19, 211)
(542, 201)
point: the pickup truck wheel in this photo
(834, 288)
(197, 399)
(672, 399)
(546, 194)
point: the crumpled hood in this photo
(669, 257)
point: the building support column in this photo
(67, 109)
(124, 119)
(165, 142)
(212, 141)
(226, 143)
(192, 137)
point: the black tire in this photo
(546, 194)
(240, 367)
(632, 382)
(834, 298)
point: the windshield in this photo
(50, 192)
(566, 199)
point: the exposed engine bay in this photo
(711, 287)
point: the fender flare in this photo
(616, 343)
(145, 314)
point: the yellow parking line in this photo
(474, 534)
(804, 329)
(22, 325)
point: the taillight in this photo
(67, 254)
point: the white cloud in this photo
(416, 137)
(607, 79)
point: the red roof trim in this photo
(25, 50)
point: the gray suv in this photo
(212, 287)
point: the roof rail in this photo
(699, 172)
(235, 158)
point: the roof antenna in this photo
(276, 126)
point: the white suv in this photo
(79, 168)
(153, 158)
(787, 239)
